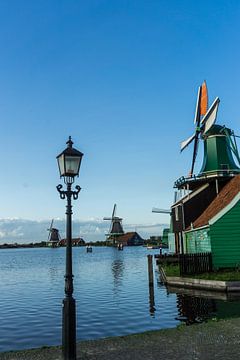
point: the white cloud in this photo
(2, 234)
(26, 231)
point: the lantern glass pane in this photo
(72, 165)
(61, 165)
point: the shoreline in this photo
(200, 284)
(210, 340)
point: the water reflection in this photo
(117, 272)
(194, 309)
(152, 308)
(195, 306)
(53, 270)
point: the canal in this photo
(111, 290)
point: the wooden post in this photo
(151, 287)
(150, 270)
(161, 249)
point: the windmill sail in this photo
(197, 112)
(195, 150)
(204, 119)
(185, 143)
(114, 210)
(50, 230)
(204, 99)
(210, 117)
(197, 130)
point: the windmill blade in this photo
(161, 211)
(50, 229)
(197, 122)
(195, 149)
(210, 117)
(204, 99)
(197, 111)
(107, 218)
(114, 210)
(110, 227)
(200, 107)
(185, 143)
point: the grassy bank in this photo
(220, 275)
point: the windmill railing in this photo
(191, 264)
(229, 172)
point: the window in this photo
(177, 213)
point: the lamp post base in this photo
(69, 329)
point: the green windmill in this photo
(219, 145)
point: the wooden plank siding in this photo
(225, 239)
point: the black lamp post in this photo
(69, 162)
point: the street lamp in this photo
(69, 162)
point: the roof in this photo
(127, 236)
(223, 199)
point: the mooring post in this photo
(151, 288)
(150, 270)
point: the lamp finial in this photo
(69, 142)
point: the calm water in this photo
(110, 288)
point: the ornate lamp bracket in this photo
(75, 193)
(63, 194)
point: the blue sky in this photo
(121, 78)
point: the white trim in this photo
(225, 210)
(195, 229)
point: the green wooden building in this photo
(165, 236)
(206, 215)
(217, 229)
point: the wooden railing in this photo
(191, 264)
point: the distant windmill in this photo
(116, 228)
(204, 120)
(53, 235)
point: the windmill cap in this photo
(218, 130)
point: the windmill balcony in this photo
(190, 183)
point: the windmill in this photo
(53, 235)
(204, 119)
(218, 167)
(116, 228)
